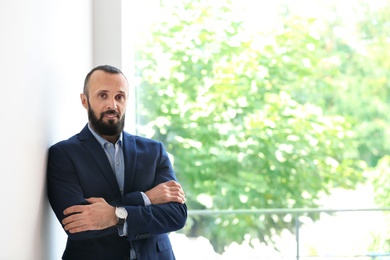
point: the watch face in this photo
(121, 213)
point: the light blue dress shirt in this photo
(115, 155)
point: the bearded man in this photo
(115, 194)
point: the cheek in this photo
(97, 107)
(122, 109)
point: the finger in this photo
(68, 220)
(94, 200)
(177, 191)
(75, 227)
(177, 198)
(183, 197)
(172, 183)
(72, 210)
(180, 200)
(70, 225)
(76, 230)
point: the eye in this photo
(102, 95)
(120, 97)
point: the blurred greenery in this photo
(260, 118)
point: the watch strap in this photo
(120, 223)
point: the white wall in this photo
(46, 49)
(113, 32)
(45, 52)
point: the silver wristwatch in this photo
(121, 214)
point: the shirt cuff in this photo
(146, 199)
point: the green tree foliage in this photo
(367, 73)
(363, 86)
(364, 97)
(380, 176)
(244, 115)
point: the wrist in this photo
(146, 199)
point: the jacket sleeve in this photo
(65, 190)
(146, 221)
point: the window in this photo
(267, 106)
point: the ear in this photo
(84, 100)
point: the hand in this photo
(95, 216)
(169, 191)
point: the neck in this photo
(111, 138)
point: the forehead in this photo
(101, 80)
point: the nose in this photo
(112, 104)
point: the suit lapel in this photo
(96, 151)
(130, 157)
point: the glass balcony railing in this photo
(338, 234)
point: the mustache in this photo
(110, 112)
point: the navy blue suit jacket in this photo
(78, 168)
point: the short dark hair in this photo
(105, 68)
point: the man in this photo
(115, 194)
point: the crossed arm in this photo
(99, 214)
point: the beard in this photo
(102, 128)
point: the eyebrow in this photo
(105, 91)
(123, 93)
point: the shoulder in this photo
(139, 144)
(67, 144)
(76, 139)
(139, 139)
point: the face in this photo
(106, 102)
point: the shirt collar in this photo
(103, 141)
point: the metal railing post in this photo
(297, 224)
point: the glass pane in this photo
(268, 106)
